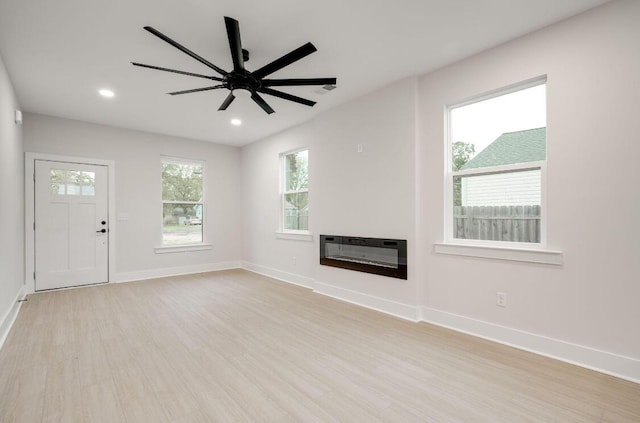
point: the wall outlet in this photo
(501, 299)
(294, 261)
(360, 148)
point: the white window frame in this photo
(163, 248)
(290, 234)
(518, 251)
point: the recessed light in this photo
(106, 93)
(236, 122)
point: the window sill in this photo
(295, 236)
(529, 255)
(165, 249)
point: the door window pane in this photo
(88, 180)
(58, 181)
(72, 182)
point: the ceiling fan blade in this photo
(285, 60)
(260, 102)
(177, 71)
(184, 50)
(233, 32)
(297, 81)
(196, 90)
(227, 101)
(286, 96)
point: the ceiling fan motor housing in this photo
(241, 81)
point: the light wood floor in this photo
(233, 346)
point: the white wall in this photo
(293, 260)
(138, 190)
(583, 311)
(12, 207)
(369, 194)
(592, 62)
(366, 194)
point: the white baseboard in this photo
(401, 310)
(173, 271)
(376, 303)
(605, 362)
(10, 317)
(280, 275)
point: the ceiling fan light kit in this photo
(241, 93)
(241, 82)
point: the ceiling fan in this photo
(240, 81)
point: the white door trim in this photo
(29, 210)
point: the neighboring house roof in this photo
(512, 147)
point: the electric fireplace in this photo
(386, 257)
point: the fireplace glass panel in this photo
(386, 257)
(362, 254)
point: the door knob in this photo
(102, 231)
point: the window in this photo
(295, 191)
(72, 182)
(182, 202)
(496, 165)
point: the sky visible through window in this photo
(482, 122)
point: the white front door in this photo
(71, 224)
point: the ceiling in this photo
(59, 53)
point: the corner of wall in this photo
(12, 192)
(10, 316)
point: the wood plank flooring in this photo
(234, 346)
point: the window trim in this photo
(495, 249)
(510, 253)
(282, 233)
(295, 236)
(162, 248)
(508, 89)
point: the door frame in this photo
(29, 210)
